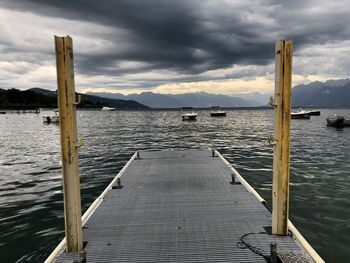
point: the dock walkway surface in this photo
(180, 206)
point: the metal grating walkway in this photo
(179, 206)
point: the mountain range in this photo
(198, 99)
(332, 93)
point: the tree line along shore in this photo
(14, 99)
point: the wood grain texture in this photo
(280, 191)
(68, 126)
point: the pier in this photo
(20, 111)
(179, 206)
(24, 111)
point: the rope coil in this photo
(242, 244)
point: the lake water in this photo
(31, 208)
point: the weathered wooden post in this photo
(282, 110)
(68, 125)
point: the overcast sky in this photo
(172, 46)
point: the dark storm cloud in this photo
(173, 35)
(193, 36)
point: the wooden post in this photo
(282, 111)
(68, 125)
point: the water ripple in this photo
(31, 208)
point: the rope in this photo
(242, 244)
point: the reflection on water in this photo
(31, 209)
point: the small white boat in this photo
(216, 112)
(300, 114)
(105, 108)
(52, 119)
(189, 116)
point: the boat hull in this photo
(315, 113)
(304, 116)
(218, 114)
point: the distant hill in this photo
(335, 93)
(42, 98)
(198, 99)
(17, 99)
(43, 91)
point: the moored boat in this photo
(338, 121)
(105, 108)
(189, 116)
(216, 112)
(300, 114)
(52, 119)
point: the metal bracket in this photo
(119, 184)
(272, 101)
(271, 140)
(81, 143)
(273, 252)
(79, 100)
(234, 179)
